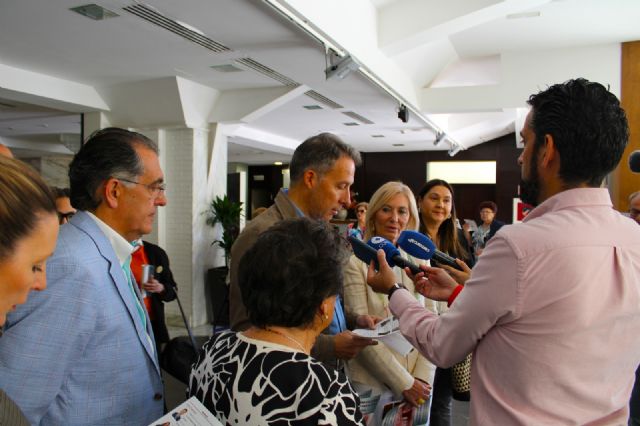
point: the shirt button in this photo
(157, 397)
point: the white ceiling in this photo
(431, 45)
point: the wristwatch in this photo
(395, 287)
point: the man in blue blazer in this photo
(82, 352)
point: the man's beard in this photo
(530, 188)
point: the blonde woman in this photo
(28, 229)
(380, 369)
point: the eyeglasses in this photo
(361, 211)
(65, 217)
(155, 188)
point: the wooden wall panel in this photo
(622, 181)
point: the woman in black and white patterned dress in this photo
(265, 376)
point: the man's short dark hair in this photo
(290, 270)
(60, 192)
(319, 153)
(107, 153)
(588, 126)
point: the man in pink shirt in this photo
(552, 309)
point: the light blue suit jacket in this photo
(76, 353)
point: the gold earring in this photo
(326, 317)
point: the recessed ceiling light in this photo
(277, 163)
(95, 12)
(351, 123)
(398, 144)
(312, 107)
(523, 15)
(226, 68)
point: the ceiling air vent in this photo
(358, 117)
(351, 123)
(323, 99)
(312, 107)
(149, 14)
(226, 68)
(268, 72)
(95, 12)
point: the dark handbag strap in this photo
(186, 323)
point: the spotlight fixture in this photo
(454, 150)
(440, 136)
(341, 69)
(403, 113)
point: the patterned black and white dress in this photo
(244, 381)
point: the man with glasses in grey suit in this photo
(82, 352)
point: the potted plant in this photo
(227, 213)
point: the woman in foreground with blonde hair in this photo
(28, 233)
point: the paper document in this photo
(388, 332)
(189, 413)
(473, 226)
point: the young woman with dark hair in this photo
(438, 221)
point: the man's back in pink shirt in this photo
(553, 312)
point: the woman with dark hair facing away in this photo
(438, 222)
(28, 233)
(379, 370)
(488, 226)
(265, 375)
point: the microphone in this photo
(364, 252)
(392, 254)
(634, 161)
(420, 246)
(367, 253)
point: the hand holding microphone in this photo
(368, 253)
(420, 246)
(392, 254)
(380, 260)
(461, 276)
(435, 284)
(438, 286)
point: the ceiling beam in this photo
(44, 90)
(415, 23)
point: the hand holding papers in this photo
(189, 413)
(388, 332)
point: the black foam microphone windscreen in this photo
(634, 161)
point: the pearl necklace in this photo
(291, 339)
